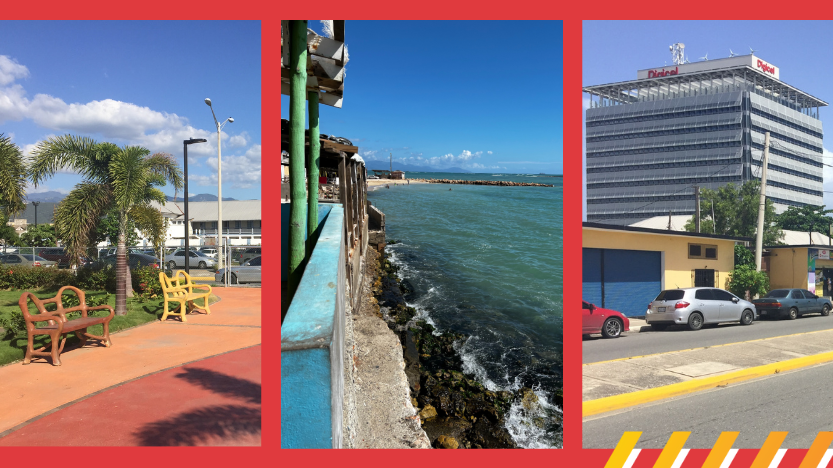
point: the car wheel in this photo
(825, 310)
(233, 279)
(172, 265)
(201, 265)
(659, 326)
(612, 328)
(793, 313)
(747, 317)
(695, 321)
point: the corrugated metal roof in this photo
(237, 210)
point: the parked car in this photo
(791, 303)
(609, 323)
(248, 254)
(28, 260)
(59, 255)
(698, 306)
(209, 251)
(134, 260)
(248, 272)
(196, 260)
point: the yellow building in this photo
(800, 266)
(625, 267)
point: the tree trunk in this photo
(121, 269)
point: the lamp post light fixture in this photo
(185, 144)
(219, 185)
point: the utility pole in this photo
(714, 221)
(697, 202)
(312, 171)
(669, 220)
(297, 104)
(759, 238)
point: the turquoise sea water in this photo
(487, 261)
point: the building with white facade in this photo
(651, 140)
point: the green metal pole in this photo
(312, 167)
(297, 103)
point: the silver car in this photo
(28, 260)
(248, 272)
(196, 260)
(698, 306)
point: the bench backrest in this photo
(59, 306)
(171, 287)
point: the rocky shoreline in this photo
(455, 410)
(502, 183)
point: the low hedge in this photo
(145, 279)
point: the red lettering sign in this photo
(663, 72)
(767, 68)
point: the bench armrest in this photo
(101, 307)
(203, 286)
(46, 317)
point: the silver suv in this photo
(698, 306)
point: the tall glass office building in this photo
(650, 141)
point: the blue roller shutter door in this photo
(632, 279)
(591, 276)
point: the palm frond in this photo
(77, 215)
(164, 165)
(76, 153)
(12, 176)
(149, 221)
(129, 176)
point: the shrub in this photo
(96, 278)
(26, 277)
(146, 283)
(744, 278)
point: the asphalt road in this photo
(595, 348)
(794, 401)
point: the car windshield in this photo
(671, 295)
(778, 293)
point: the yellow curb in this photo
(704, 347)
(626, 400)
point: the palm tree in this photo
(121, 178)
(12, 176)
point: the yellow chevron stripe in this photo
(672, 448)
(817, 450)
(623, 450)
(769, 449)
(720, 450)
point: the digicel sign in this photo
(664, 72)
(765, 67)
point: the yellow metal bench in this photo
(182, 289)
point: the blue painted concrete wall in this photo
(312, 346)
(323, 211)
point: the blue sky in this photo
(138, 83)
(482, 95)
(614, 50)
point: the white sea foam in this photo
(521, 423)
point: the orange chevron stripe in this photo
(623, 450)
(672, 448)
(720, 450)
(817, 450)
(769, 449)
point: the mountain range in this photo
(202, 197)
(381, 165)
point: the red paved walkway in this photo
(215, 401)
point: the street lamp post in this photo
(185, 144)
(219, 184)
(36, 203)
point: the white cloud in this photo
(488, 152)
(241, 171)
(239, 140)
(44, 188)
(10, 70)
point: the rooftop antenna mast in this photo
(678, 53)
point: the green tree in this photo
(806, 219)
(8, 235)
(744, 278)
(124, 179)
(12, 176)
(42, 235)
(108, 229)
(743, 256)
(736, 213)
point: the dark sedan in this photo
(791, 303)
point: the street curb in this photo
(626, 400)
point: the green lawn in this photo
(13, 348)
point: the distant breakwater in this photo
(503, 183)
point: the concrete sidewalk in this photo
(735, 361)
(30, 392)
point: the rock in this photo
(428, 412)
(529, 399)
(448, 442)
(449, 427)
(491, 435)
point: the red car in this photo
(608, 322)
